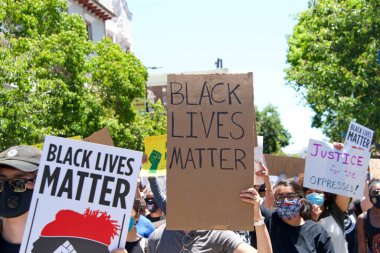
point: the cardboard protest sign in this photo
(284, 165)
(155, 151)
(358, 136)
(82, 198)
(210, 151)
(102, 136)
(374, 168)
(337, 171)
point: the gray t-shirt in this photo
(200, 241)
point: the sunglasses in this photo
(375, 193)
(16, 184)
(186, 241)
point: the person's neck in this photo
(13, 228)
(297, 221)
(156, 214)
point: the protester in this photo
(18, 171)
(155, 213)
(329, 211)
(356, 207)
(288, 226)
(135, 242)
(368, 223)
(163, 240)
(18, 167)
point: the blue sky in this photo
(249, 35)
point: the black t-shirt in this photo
(310, 237)
(350, 229)
(134, 247)
(6, 247)
(154, 219)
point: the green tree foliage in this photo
(333, 63)
(269, 126)
(57, 82)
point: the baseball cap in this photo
(25, 158)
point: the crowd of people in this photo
(291, 219)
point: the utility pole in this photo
(219, 63)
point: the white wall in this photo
(119, 28)
(98, 27)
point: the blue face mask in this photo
(288, 209)
(316, 198)
(131, 223)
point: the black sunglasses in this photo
(16, 184)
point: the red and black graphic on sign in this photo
(74, 232)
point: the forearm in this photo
(159, 196)
(269, 198)
(264, 244)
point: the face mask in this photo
(131, 223)
(288, 209)
(14, 204)
(151, 205)
(375, 200)
(316, 198)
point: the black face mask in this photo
(151, 205)
(14, 204)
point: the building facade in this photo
(105, 18)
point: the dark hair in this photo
(139, 206)
(306, 208)
(329, 197)
(372, 183)
(290, 183)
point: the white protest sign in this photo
(82, 198)
(259, 157)
(358, 136)
(337, 171)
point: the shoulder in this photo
(229, 239)
(313, 226)
(157, 233)
(226, 234)
(144, 226)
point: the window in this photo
(89, 30)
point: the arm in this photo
(264, 244)
(269, 199)
(244, 248)
(159, 196)
(365, 203)
(361, 237)
(342, 202)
